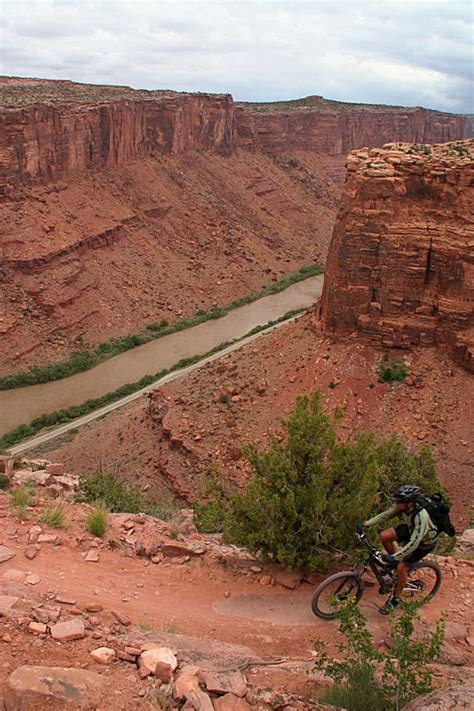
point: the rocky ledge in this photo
(400, 268)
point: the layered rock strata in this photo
(41, 143)
(123, 208)
(335, 128)
(400, 267)
(52, 129)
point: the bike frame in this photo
(377, 566)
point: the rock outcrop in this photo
(121, 208)
(43, 142)
(51, 129)
(454, 698)
(337, 128)
(400, 268)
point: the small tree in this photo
(309, 491)
(391, 678)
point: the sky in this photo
(404, 52)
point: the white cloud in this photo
(411, 52)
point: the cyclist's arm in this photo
(384, 516)
(420, 529)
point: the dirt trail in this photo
(215, 597)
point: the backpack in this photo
(438, 509)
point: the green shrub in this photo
(20, 511)
(173, 532)
(310, 490)
(360, 692)
(391, 371)
(115, 496)
(163, 507)
(22, 496)
(368, 678)
(97, 521)
(4, 481)
(54, 516)
(213, 504)
(124, 498)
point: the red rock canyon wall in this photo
(47, 136)
(400, 267)
(41, 143)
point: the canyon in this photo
(123, 207)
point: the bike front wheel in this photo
(333, 593)
(424, 580)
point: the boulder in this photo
(68, 482)
(287, 579)
(197, 700)
(56, 469)
(26, 476)
(180, 550)
(163, 672)
(120, 617)
(37, 628)
(6, 603)
(454, 698)
(54, 688)
(188, 680)
(103, 655)
(228, 683)
(14, 576)
(52, 538)
(465, 545)
(183, 521)
(6, 554)
(30, 552)
(68, 631)
(151, 657)
(229, 702)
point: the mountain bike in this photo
(424, 580)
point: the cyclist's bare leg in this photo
(402, 577)
(388, 539)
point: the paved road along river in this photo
(24, 404)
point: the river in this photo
(22, 405)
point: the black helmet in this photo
(406, 493)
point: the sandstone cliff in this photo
(123, 207)
(400, 267)
(52, 129)
(336, 128)
(43, 142)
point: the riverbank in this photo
(25, 404)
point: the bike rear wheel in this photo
(424, 580)
(333, 592)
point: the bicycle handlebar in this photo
(363, 537)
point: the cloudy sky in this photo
(409, 52)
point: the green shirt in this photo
(422, 529)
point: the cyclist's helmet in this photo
(406, 493)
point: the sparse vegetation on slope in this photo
(117, 497)
(97, 521)
(106, 491)
(54, 516)
(367, 678)
(310, 490)
(391, 371)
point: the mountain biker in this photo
(416, 533)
